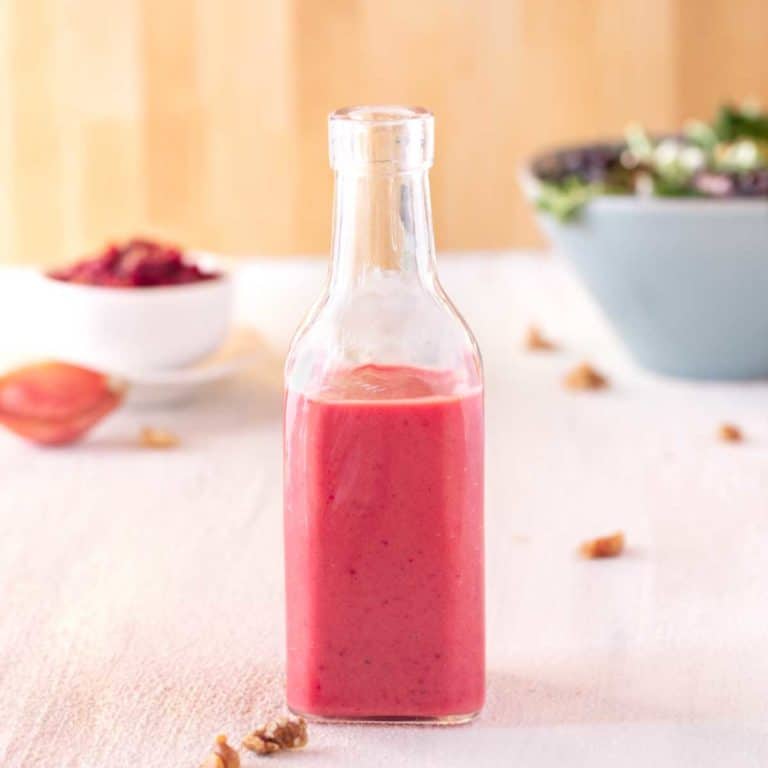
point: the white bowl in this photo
(131, 329)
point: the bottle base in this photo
(461, 719)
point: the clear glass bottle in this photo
(384, 453)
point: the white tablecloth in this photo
(141, 594)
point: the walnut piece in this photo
(260, 745)
(730, 433)
(222, 755)
(584, 377)
(535, 341)
(282, 733)
(159, 439)
(603, 546)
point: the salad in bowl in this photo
(670, 235)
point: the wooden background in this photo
(204, 120)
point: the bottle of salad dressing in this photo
(384, 453)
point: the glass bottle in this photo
(383, 474)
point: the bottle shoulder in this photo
(385, 322)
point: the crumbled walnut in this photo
(535, 341)
(730, 433)
(260, 745)
(151, 437)
(282, 733)
(222, 755)
(584, 376)
(604, 546)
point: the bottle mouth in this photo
(381, 138)
(381, 113)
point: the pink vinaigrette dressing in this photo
(383, 464)
(384, 547)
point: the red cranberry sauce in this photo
(137, 263)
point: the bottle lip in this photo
(381, 114)
(386, 138)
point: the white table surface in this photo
(141, 594)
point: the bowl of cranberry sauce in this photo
(135, 306)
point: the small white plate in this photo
(243, 350)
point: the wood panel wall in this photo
(204, 120)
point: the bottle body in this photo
(384, 480)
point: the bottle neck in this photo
(382, 223)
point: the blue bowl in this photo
(683, 281)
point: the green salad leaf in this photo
(565, 199)
(746, 121)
